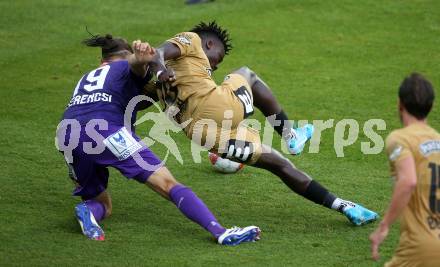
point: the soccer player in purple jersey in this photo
(92, 137)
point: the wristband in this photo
(158, 74)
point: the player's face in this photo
(215, 52)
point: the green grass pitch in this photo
(323, 60)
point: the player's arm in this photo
(143, 54)
(166, 51)
(406, 183)
(149, 90)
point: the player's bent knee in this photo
(273, 161)
(162, 181)
(245, 69)
(247, 73)
(169, 183)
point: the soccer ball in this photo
(224, 165)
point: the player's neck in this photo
(110, 60)
(411, 120)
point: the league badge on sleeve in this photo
(396, 153)
(184, 39)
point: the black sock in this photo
(317, 193)
(282, 118)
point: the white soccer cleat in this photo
(224, 165)
(236, 235)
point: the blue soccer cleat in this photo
(301, 135)
(236, 235)
(358, 215)
(89, 226)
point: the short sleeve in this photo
(397, 148)
(188, 42)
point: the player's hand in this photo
(143, 52)
(376, 238)
(166, 75)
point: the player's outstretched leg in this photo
(90, 212)
(265, 101)
(194, 209)
(303, 185)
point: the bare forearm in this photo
(166, 51)
(158, 63)
(139, 68)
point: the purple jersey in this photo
(104, 93)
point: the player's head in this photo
(215, 41)
(416, 96)
(111, 47)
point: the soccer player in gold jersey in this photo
(414, 156)
(186, 62)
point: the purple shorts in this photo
(115, 147)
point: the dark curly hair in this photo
(213, 28)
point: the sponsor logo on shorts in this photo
(122, 144)
(246, 99)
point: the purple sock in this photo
(97, 208)
(194, 209)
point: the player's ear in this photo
(209, 44)
(400, 105)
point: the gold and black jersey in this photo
(419, 243)
(206, 107)
(192, 70)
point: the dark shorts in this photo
(119, 149)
